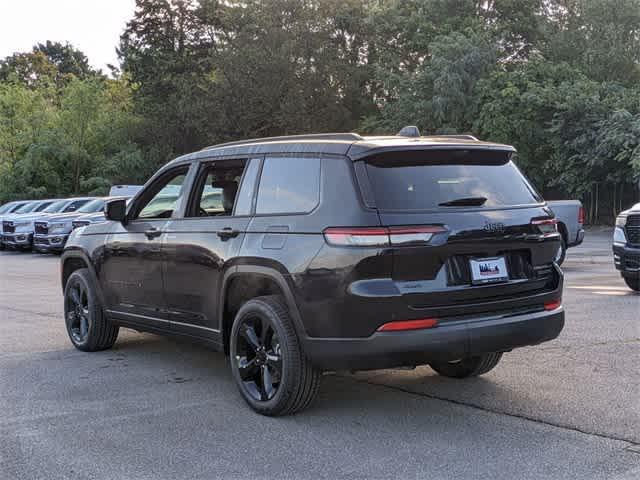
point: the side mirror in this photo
(116, 210)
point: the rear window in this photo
(447, 179)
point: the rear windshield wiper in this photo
(464, 202)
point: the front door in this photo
(198, 247)
(131, 273)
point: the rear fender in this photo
(274, 275)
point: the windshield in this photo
(448, 179)
(42, 206)
(27, 207)
(6, 207)
(55, 206)
(93, 206)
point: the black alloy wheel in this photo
(258, 358)
(267, 361)
(88, 328)
(77, 314)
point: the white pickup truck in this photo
(570, 215)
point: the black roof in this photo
(351, 144)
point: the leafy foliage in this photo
(559, 79)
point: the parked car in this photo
(7, 209)
(17, 221)
(10, 207)
(96, 217)
(626, 246)
(52, 233)
(570, 215)
(19, 232)
(327, 252)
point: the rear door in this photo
(199, 247)
(484, 233)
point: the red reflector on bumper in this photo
(552, 305)
(408, 325)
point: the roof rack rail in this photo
(313, 136)
(459, 137)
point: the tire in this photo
(268, 365)
(88, 328)
(468, 366)
(562, 251)
(633, 283)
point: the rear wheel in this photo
(89, 330)
(267, 361)
(633, 283)
(468, 366)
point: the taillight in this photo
(404, 325)
(357, 237)
(552, 305)
(581, 215)
(381, 236)
(547, 226)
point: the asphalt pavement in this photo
(158, 408)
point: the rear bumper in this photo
(627, 260)
(50, 243)
(444, 342)
(18, 240)
(578, 240)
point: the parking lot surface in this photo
(158, 408)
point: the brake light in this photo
(408, 325)
(581, 215)
(552, 305)
(357, 237)
(548, 226)
(381, 236)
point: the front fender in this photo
(72, 254)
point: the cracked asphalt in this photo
(157, 408)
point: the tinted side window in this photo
(216, 189)
(289, 185)
(161, 198)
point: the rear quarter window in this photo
(427, 180)
(289, 185)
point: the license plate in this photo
(488, 270)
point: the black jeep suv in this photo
(297, 255)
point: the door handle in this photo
(227, 233)
(152, 233)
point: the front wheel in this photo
(633, 283)
(468, 366)
(89, 330)
(267, 362)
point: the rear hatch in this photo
(492, 238)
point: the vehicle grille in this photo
(632, 262)
(633, 229)
(40, 241)
(41, 228)
(8, 227)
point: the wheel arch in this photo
(244, 282)
(562, 228)
(73, 260)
